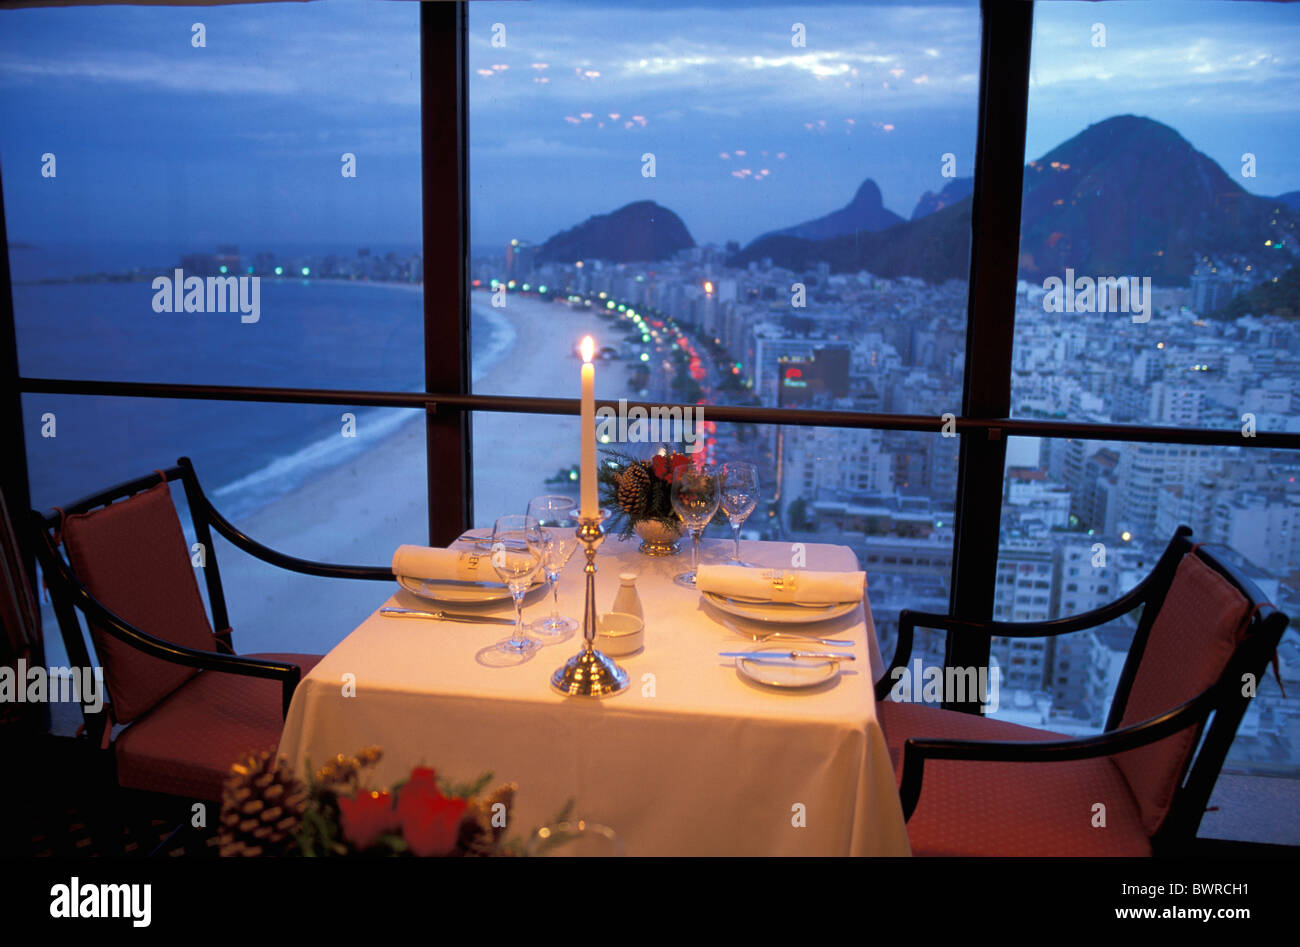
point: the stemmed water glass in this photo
(695, 499)
(556, 517)
(517, 551)
(739, 498)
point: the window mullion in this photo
(14, 478)
(995, 246)
(445, 170)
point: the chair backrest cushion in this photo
(1193, 637)
(132, 557)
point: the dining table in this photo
(693, 758)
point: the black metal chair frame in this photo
(68, 594)
(1225, 699)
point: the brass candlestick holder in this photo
(590, 673)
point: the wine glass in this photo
(556, 517)
(739, 498)
(695, 499)
(517, 551)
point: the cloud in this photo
(350, 53)
(737, 60)
(1226, 62)
(536, 147)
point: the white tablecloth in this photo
(692, 759)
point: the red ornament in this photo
(366, 817)
(666, 467)
(430, 821)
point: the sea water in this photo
(313, 334)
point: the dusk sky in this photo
(241, 141)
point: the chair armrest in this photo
(1034, 629)
(288, 674)
(909, 621)
(265, 553)
(902, 652)
(917, 750)
(327, 570)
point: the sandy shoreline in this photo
(359, 511)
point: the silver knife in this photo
(785, 655)
(443, 616)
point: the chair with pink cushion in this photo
(182, 705)
(971, 785)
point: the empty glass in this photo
(695, 499)
(739, 498)
(557, 517)
(517, 551)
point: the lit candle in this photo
(589, 508)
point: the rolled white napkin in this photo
(782, 585)
(424, 562)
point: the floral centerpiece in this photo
(639, 494)
(267, 811)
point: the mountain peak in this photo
(1132, 195)
(640, 232)
(1126, 196)
(955, 190)
(868, 196)
(1134, 124)
(866, 213)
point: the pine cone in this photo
(478, 836)
(261, 806)
(633, 489)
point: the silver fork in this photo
(757, 636)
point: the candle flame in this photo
(588, 348)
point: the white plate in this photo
(460, 593)
(780, 612)
(791, 674)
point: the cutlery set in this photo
(441, 615)
(764, 636)
(757, 637)
(787, 655)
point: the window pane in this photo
(1159, 225)
(332, 484)
(276, 166)
(887, 495)
(1084, 521)
(770, 204)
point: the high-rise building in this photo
(521, 256)
(1026, 580)
(817, 460)
(1264, 529)
(1143, 469)
(1096, 500)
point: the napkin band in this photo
(784, 584)
(468, 562)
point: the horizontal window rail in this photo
(994, 428)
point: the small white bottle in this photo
(627, 600)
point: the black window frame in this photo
(448, 402)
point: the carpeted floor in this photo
(68, 807)
(74, 833)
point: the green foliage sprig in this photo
(659, 495)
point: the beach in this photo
(359, 511)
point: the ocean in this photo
(312, 333)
